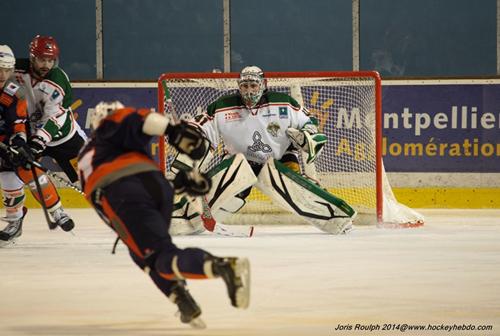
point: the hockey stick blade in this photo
(233, 231)
(211, 224)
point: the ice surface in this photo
(304, 282)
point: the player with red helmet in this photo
(53, 130)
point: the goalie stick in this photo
(206, 216)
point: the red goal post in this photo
(348, 106)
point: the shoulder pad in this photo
(279, 97)
(233, 100)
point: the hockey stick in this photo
(206, 216)
(52, 225)
(37, 164)
(76, 104)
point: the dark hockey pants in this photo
(138, 208)
(66, 155)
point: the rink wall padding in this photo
(463, 198)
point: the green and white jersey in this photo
(48, 106)
(258, 133)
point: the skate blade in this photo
(197, 323)
(7, 243)
(242, 271)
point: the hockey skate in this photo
(62, 219)
(13, 230)
(189, 310)
(236, 274)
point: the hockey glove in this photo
(37, 146)
(187, 139)
(20, 155)
(192, 183)
(308, 139)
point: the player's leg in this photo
(139, 209)
(175, 290)
(49, 196)
(13, 201)
(66, 155)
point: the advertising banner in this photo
(441, 128)
(426, 127)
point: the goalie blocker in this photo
(285, 187)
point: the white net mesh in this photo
(346, 108)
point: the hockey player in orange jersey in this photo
(131, 194)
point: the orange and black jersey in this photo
(117, 148)
(13, 115)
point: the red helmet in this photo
(44, 46)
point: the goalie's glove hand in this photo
(192, 183)
(20, 156)
(187, 139)
(37, 146)
(308, 139)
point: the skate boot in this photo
(236, 274)
(62, 219)
(13, 230)
(188, 308)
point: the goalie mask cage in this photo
(348, 107)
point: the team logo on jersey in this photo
(283, 113)
(273, 128)
(258, 145)
(231, 116)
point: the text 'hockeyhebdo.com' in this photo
(408, 327)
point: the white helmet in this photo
(7, 59)
(101, 111)
(251, 74)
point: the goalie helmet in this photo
(44, 46)
(251, 85)
(7, 59)
(101, 111)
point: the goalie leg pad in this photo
(186, 218)
(229, 178)
(299, 195)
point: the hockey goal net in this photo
(348, 108)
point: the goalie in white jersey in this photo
(265, 131)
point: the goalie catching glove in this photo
(308, 139)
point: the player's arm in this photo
(185, 136)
